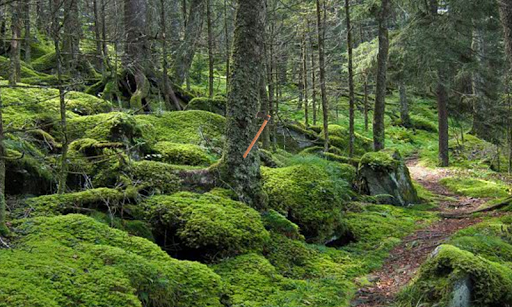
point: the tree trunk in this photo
(15, 61)
(3, 228)
(243, 175)
(442, 109)
(313, 77)
(404, 107)
(104, 36)
(185, 54)
(350, 81)
(72, 32)
(325, 109)
(210, 47)
(380, 98)
(26, 36)
(40, 15)
(227, 47)
(97, 35)
(301, 80)
(366, 104)
(264, 108)
(480, 111)
(305, 78)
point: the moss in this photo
(75, 260)
(215, 105)
(380, 159)
(276, 222)
(206, 225)
(422, 123)
(476, 187)
(339, 137)
(152, 177)
(141, 93)
(85, 104)
(186, 154)
(220, 192)
(308, 195)
(491, 281)
(187, 127)
(63, 203)
(115, 126)
(46, 62)
(268, 159)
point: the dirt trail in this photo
(405, 259)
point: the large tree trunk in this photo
(185, 54)
(506, 21)
(3, 228)
(366, 103)
(227, 47)
(382, 59)
(325, 108)
(442, 109)
(97, 36)
(243, 175)
(15, 61)
(350, 81)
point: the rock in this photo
(461, 294)
(294, 138)
(385, 174)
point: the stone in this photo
(461, 294)
(384, 174)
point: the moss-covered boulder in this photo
(385, 174)
(278, 223)
(187, 127)
(215, 105)
(442, 276)
(294, 137)
(112, 127)
(204, 226)
(310, 196)
(74, 260)
(339, 137)
(185, 154)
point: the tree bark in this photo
(3, 228)
(15, 61)
(227, 47)
(97, 35)
(325, 108)
(305, 78)
(185, 54)
(382, 58)
(404, 106)
(480, 110)
(27, 39)
(366, 104)
(442, 109)
(243, 175)
(210, 47)
(72, 32)
(313, 77)
(350, 81)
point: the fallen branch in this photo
(4, 243)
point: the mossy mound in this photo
(310, 196)
(28, 75)
(113, 127)
(421, 123)
(215, 105)
(152, 177)
(187, 127)
(474, 187)
(185, 154)
(339, 137)
(278, 223)
(204, 226)
(75, 260)
(334, 154)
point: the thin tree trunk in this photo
(71, 38)
(404, 106)
(243, 175)
(27, 39)
(210, 47)
(3, 228)
(380, 98)
(313, 77)
(325, 108)
(97, 35)
(366, 104)
(350, 81)
(15, 61)
(442, 109)
(228, 47)
(301, 80)
(305, 78)
(104, 35)
(264, 108)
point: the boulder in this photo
(461, 293)
(385, 174)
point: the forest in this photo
(380, 174)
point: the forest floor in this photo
(405, 259)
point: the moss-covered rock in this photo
(204, 226)
(385, 174)
(339, 137)
(215, 105)
(422, 123)
(278, 223)
(152, 177)
(185, 154)
(114, 127)
(293, 137)
(187, 127)
(75, 260)
(310, 196)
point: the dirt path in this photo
(405, 259)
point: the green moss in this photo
(339, 137)
(46, 62)
(216, 105)
(214, 225)
(114, 126)
(75, 260)
(186, 154)
(187, 127)
(380, 159)
(491, 280)
(476, 187)
(152, 177)
(276, 222)
(422, 123)
(309, 195)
